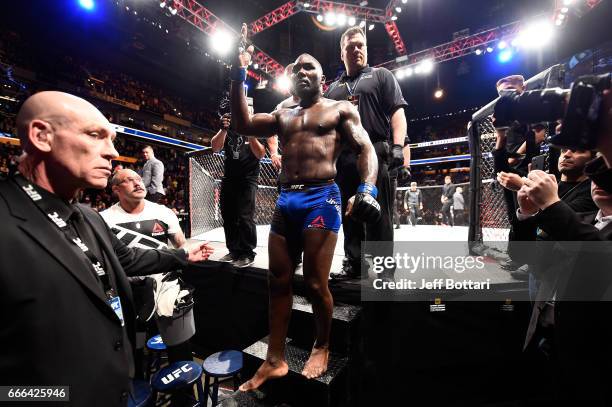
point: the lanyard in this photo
(350, 90)
(51, 213)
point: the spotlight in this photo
(393, 17)
(558, 22)
(371, 27)
(162, 4)
(404, 1)
(341, 20)
(306, 5)
(319, 18)
(408, 72)
(567, 2)
(502, 44)
(399, 74)
(362, 24)
(418, 69)
(330, 18)
(221, 41)
(564, 10)
(438, 93)
(283, 83)
(426, 66)
(478, 51)
(173, 10)
(352, 21)
(489, 49)
(255, 66)
(536, 35)
(87, 4)
(505, 56)
(398, 9)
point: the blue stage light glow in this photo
(87, 4)
(505, 56)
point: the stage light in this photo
(561, 17)
(404, 1)
(426, 66)
(306, 5)
(393, 17)
(330, 18)
(283, 83)
(87, 4)
(352, 21)
(505, 56)
(567, 2)
(408, 72)
(256, 66)
(362, 24)
(399, 74)
(162, 4)
(564, 10)
(536, 35)
(478, 51)
(319, 18)
(371, 27)
(418, 69)
(173, 10)
(438, 93)
(489, 49)
(502, 45)
(398, 9)
(341, 20)
(221, 41)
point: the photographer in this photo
(515, 147)
(573, 188)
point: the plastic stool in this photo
(141, 397)
(227, 363)
(177, 376)
(156, 346)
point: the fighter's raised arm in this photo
(261, 124)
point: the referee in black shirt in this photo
(379, 100)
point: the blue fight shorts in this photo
(307, 206)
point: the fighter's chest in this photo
(315, 122)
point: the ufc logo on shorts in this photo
(175, 374)
(29, 189)
(81, 245)
(57, 220)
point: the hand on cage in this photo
(226, 120)
(510, 181)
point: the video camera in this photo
(579, 108)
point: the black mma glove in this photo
(397, 157)
(365, 207)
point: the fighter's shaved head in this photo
(307, 57)
(58, 108)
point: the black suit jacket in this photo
(582, 332)
(56, 327)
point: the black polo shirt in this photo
(240, 161)
(378, 97)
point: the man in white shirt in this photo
(144, 224)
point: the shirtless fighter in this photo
(307, 215)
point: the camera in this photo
(579, 108)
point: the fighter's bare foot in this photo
(268, 370)
(316, 364)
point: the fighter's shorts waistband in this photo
(306, 186)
